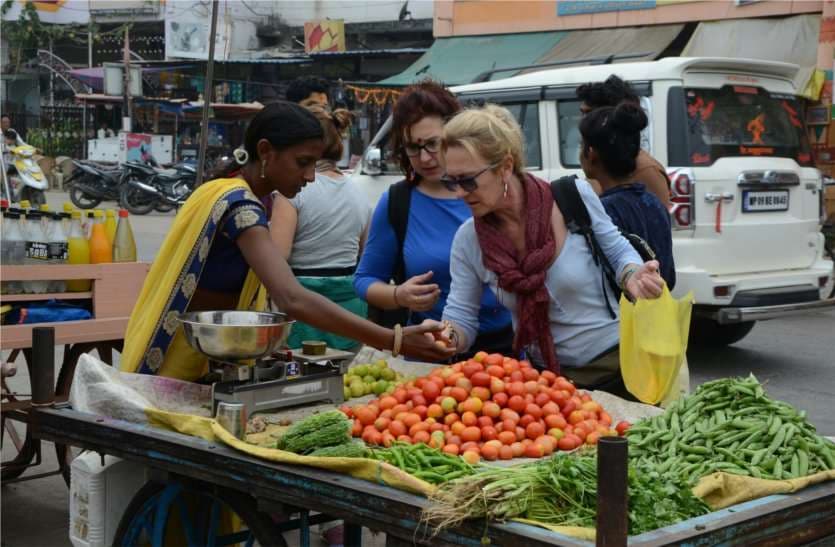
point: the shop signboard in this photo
(324, 36)
(135, 147)
(60, 12)
(187, 30)
(579, 7)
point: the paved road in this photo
(795, 357)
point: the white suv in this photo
(747, 198)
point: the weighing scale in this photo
(246, 366)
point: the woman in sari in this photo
(219, 252)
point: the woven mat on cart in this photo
(185, 407)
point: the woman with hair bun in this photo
(218, 254)
(518, 244)
(322, 230)
(611, 145)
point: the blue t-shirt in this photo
(636, 211)
(429, 232)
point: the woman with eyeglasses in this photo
(431, 214)
(518, 244)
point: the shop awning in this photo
(790, 39)
(628, 44)
(459, 60)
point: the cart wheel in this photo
(25, 446)
(145, 519)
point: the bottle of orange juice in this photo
(79, 253)
(101, 251)
(110, 225)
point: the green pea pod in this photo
(803, 463)
(777, 441)
(790, 433)
(775, 426)
(795, 466)
(697, 450)
(758, 457)
(742, 389)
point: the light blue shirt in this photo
(581, 325)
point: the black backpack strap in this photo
(577, 219)
(400, 197)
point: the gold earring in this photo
(263, 166)
(505, 189)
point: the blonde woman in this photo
(517, 243)
(322, 230)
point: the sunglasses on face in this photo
(468, 184)
(432, 146)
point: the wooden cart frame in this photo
(113, 293)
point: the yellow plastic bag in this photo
(653, 343)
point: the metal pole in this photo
(43, 366)
(51, 78)
(207, 96)
(90, 49)
(612, 500)
(128, 106)
(84, 128)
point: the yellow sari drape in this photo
(154, 340)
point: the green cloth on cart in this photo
(339, 290)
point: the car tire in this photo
(707, 332)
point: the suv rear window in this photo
(568, 121)
(734, 121)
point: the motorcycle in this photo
(28, 174)
(145, 188)
(92, 183)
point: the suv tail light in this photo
(682, 198)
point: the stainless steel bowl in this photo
(236, 335)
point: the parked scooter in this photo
(27, 175)
(145, 188)
(92, 183)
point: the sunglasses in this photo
(432, 146)
(468, 184)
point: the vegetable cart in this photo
(113, 292)
(272, 498)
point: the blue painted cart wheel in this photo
(146, 517)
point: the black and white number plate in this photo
(757, 201)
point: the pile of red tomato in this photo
(490, 407)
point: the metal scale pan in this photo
(231, 338)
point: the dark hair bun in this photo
(342, 119)
(629, 118)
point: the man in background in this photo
(648, 170)
(308, 87)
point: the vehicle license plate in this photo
(756, 201)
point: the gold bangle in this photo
(398, 340)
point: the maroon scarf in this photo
(525, 276)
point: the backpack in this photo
(578, 221)
(399, 199)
